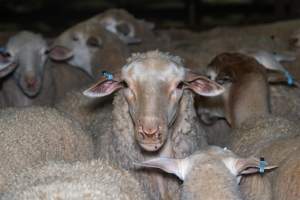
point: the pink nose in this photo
(148, 132)
(31, 82)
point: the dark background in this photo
(53, 16)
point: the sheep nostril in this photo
(150, 132)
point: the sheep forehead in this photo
(109, 20)
(86, 30)
(222, 154)
(26, 40)
(153, 69)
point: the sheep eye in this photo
(224, 80)
(180, 85)
(123, 28)
(125, 84)
(5, 54)
(75, 38)
(93, 42)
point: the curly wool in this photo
(273, 138)
(136, 57)
(34, 135)
(93, 180)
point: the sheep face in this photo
(153, 85)
(78, 46)
(28, 51)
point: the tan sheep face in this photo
(153, 94)
(153, 85)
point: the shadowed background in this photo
(53, 16)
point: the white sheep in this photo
(31, 83)
(153, 113)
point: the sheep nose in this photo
(148, 132)
(31, 81)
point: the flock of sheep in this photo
(216, 118)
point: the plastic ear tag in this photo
(262, 165)
(108, 75)
(290, 79)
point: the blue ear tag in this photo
(262, 165)
(109, 76)
(290, 79)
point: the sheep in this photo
(96, 179)
(29, 82)
(67, 78)
(153, 113)
(127, 28)
(37, 80)
(249, 115)
(29, 136)
(90, 113)
(242, 77)
(278, 140)
(212, 173)
(90, 48)
(280, 94)
(287, 182)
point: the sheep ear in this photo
(105, 86)
(276, 72)
(202, 85)
(7, 64)
(169, 165)
(252, 165)
(59, 53)
(281, 77)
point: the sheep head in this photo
(231, 163)
(80, 45)
(153, 84)
(28, 51)
(246, 86)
